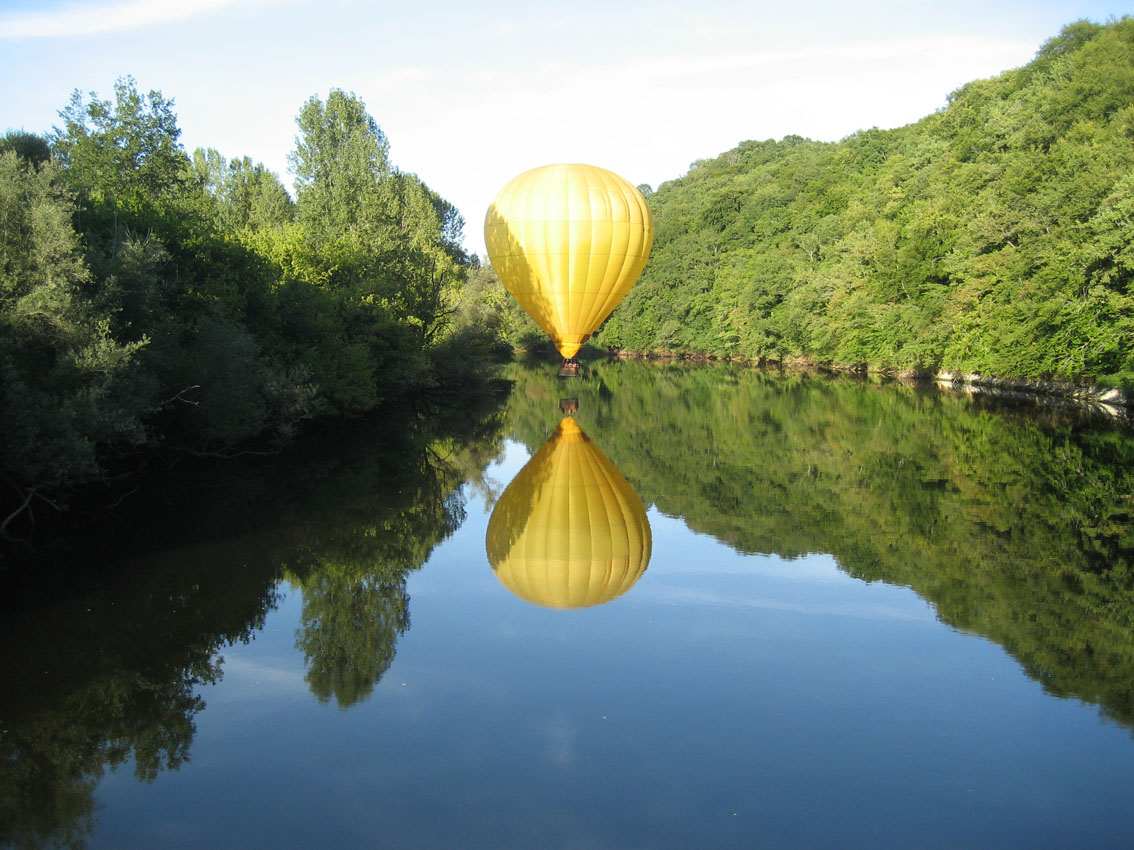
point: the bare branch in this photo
(122, 498)
(223, 455)
(26, 506)
(179, 395)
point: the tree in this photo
(254, 197)
(340, 161)
(379, 239)
(125, 153)
(27, 146)
(64, 385)
(248, 196)
(988, 237)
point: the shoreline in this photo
(1107, 400)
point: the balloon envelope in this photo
(569, 531)
(568, 241)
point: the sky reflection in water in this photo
(725, 701)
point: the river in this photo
(652, 606)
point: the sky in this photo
(470, 94)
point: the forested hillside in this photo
(994, 236)
(155, 300)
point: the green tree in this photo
(248, 196)
(381, 235)
(340, 162)
(124, 152)
(378, 241)
(64, 381)
(254, 197)
(28, 146)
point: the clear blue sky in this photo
(470, 94)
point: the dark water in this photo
(816, 613)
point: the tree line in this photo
(993, 236)
(153, 299)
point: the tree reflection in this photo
(109, 675)
(1017, 524)
(353, 569)
(349, 631)
(110, 671)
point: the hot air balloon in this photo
(569, 531)
(568, 241)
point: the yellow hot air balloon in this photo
(569, 531)
(568, 241)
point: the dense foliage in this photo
(154, 299)
(1016, 528)
(993, 236)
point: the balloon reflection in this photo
(569, 531)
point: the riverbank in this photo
(1110, 401)
(163, 491)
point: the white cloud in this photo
(912, 609)
(469, 96)
(648, 117)
(79, 19)
(248, 679)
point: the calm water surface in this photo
(713, 608)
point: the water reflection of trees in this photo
(102, 665)
(108, 674)
(1015, 524)
(353, 571)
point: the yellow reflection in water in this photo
(569, 531)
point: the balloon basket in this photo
(569, 369)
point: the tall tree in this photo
(248, 196)
(378, 236)
(340, 161)
(61, 372)
(126, 151)
(254, 197)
